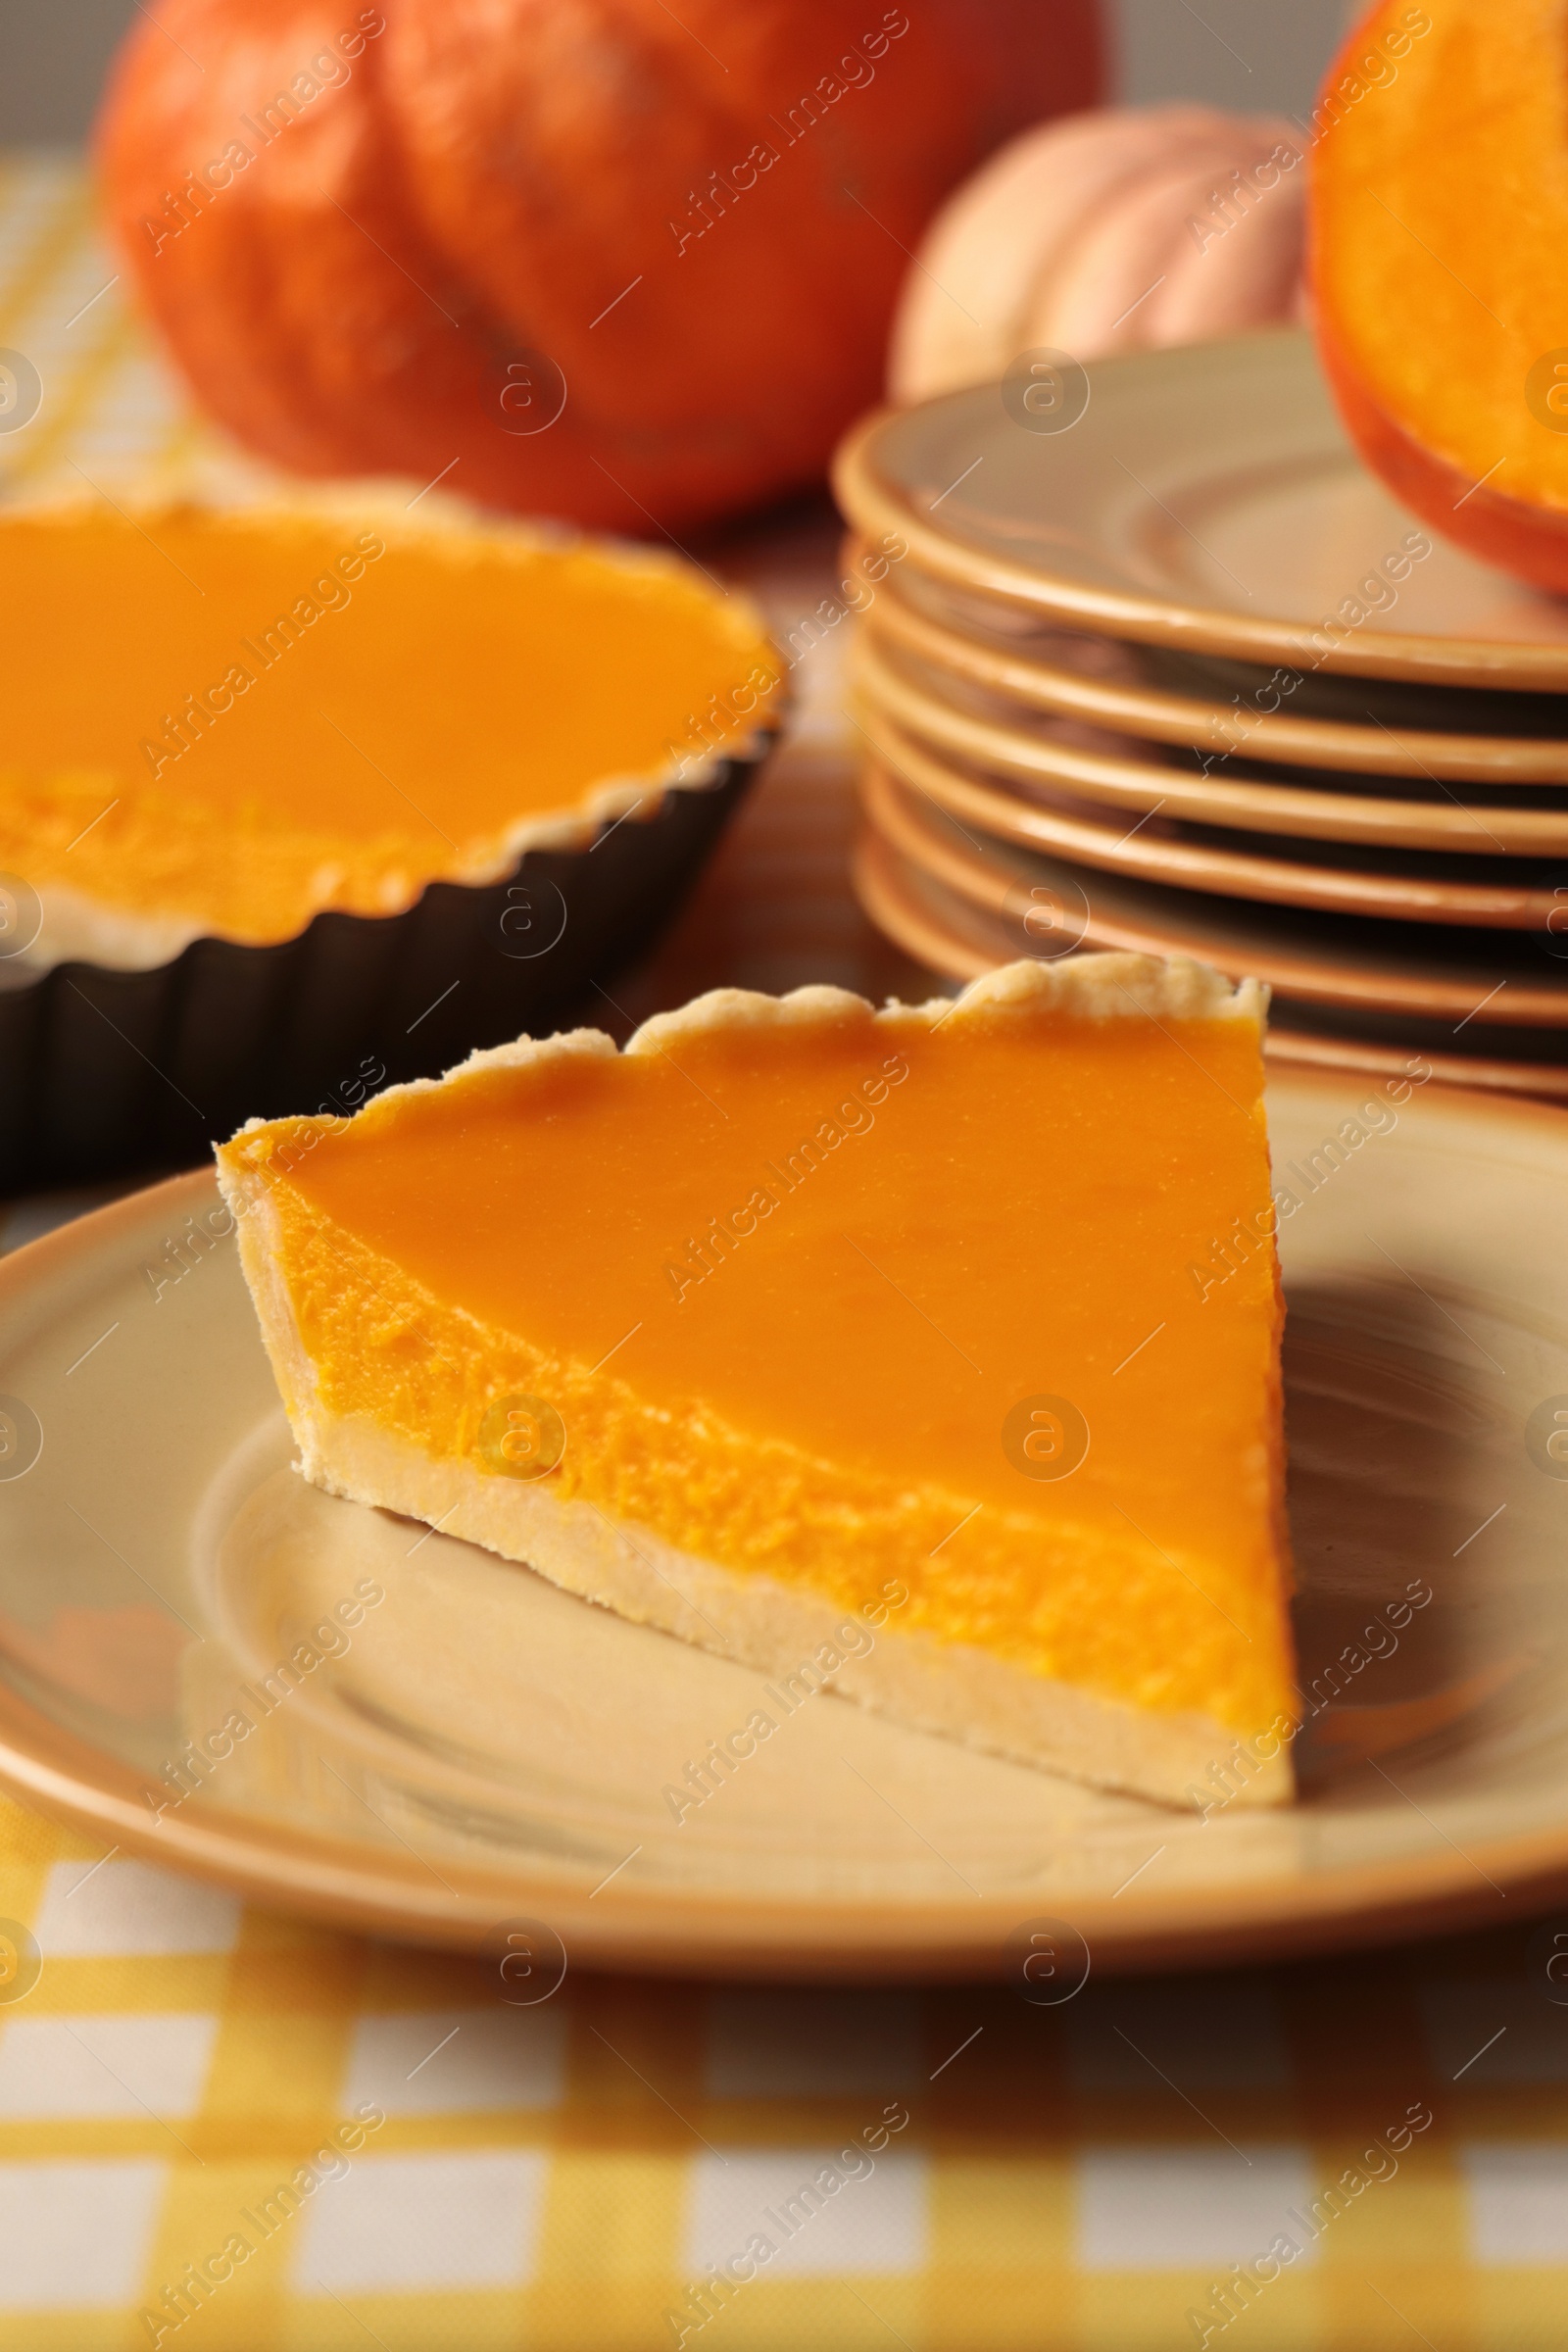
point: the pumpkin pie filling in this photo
(227, 723)
(892, 1314)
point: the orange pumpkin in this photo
(599, 259)
(1440, 214)
(1117, 230)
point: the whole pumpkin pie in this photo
(223, 723)
(885, 1349)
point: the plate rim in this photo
(871, 502)
(1111, 780)
(1158, 714)
(1250, 876)
(685, 1932)
(747, 1935)
(986, 887)
(918, 930)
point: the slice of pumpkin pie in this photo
(889, 1340)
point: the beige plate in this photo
(1499, 979)
(1206, 498)
(484, 1749)
(1120, 771)
(1265, 731)
(952, 935)
(1159, 852)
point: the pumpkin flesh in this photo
(1439, 223)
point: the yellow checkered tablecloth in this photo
(222, 2129)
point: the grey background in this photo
(1258, 54)
(1266, 56)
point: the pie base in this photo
(951, 1689)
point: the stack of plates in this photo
(1183, 677)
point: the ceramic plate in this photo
(1121, 771)
(1055, 678)
(1351, 699)
(1486, 978)
(1196, 859)
(955, 936)
(1205, 499)
(204, 1660)
(1407, 705)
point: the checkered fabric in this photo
(222, 2129)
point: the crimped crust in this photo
(1113, 986)
(1088, 987)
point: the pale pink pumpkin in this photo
(1117, 230)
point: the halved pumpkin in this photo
(1439, 258)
